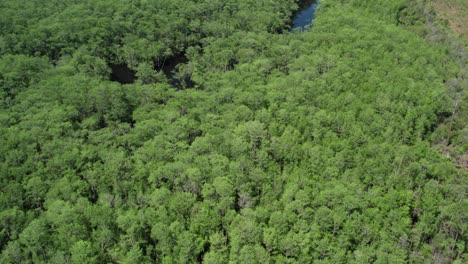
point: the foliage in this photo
(308, 147)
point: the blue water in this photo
(303, 19)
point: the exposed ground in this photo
(456, 13)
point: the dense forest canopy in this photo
(236, 140)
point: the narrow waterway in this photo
(302, 19)
(122, 73)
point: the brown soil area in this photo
(456, 13)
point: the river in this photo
(302, 19)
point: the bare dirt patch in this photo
(456, 13)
